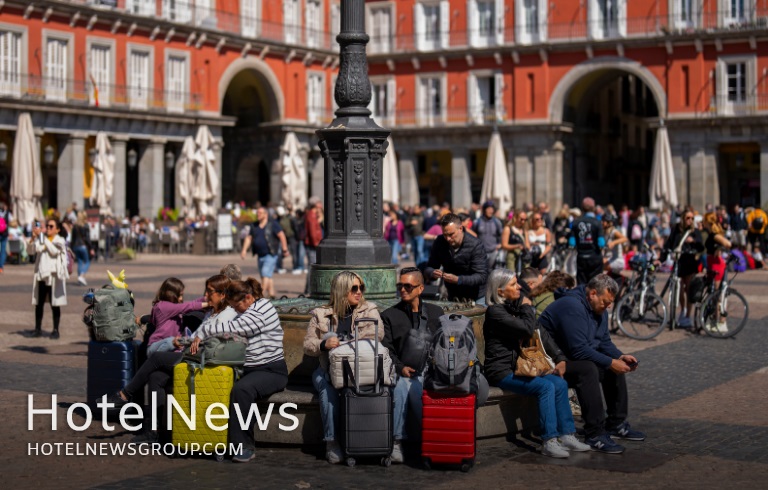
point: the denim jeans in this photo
(555, 415)
(83, 261)
(407, 394)
(165, 345)
(329, 402)
(395, 246)
(417, 243)
(3, 245)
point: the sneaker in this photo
(604, 444)
(297, 272)
(55, 334)
(244, 456)
(81, 281)
(625, 432)
(147, 437)
(553, 449)
(116, 399)
(684, 322)
(721, 326)
(397, 452)
(333, 452)
(570, 443)
(281, 271)
(37, 333)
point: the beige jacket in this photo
(321, 320)
(50, 268)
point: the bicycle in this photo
(723, 311)
(641, 313)
(673, 284)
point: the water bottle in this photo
(89, 297)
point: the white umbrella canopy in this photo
(26, 176)
(205, 181)
(184, 176)
(663, 188)
(496, 180)
(389, 181)
(294, 178)
(102, 183)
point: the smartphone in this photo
(632, 365)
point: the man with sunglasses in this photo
(411, 313)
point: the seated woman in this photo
(544, 293)
(327, 324)
(157, 371)
(508, 321)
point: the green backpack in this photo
(110, 315)
(224, 349)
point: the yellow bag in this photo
(533, 360)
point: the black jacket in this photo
(505, 326)
(397, 323)
(469, 263)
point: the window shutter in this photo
(622, 20)
(445, 24)
(386, 30)
(721, 87)
(391, 100)
(543, 22)
(593, 19)
(498, 21)
(335, 25)
(472, 22)
(498, 99)
(421, 105)
(418, 19)
(472, 99)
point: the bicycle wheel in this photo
(641, 316)
(729, 321)
(673, 298)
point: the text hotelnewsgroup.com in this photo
(128, 449)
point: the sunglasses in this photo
(357, 289)
(50, 227)
(408, 287)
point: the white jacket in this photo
(50, 267)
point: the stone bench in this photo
(504, 414)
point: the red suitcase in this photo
(448, 430)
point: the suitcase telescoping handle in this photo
(375, 353)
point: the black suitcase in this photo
(111, 365)
(366, 413)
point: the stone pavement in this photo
(701, 401)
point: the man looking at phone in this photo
(578, 321)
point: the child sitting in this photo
(167, 311)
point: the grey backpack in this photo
(224, 349)
(110, 314)
(454, 356)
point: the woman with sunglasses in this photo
(539, 238)
(50, 279)
(328, 325)
(513, 241)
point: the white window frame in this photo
(179, 11)
(441, 37)
(57, 90)
(390, 91)
(250, 18)
(523, 35)
(136, 98)
(729, 20)
(141, 7)
(313, 23)
(335, 9)
(599, 28)
(106, 80)
(12, 80)
(292, 21)
(315, 108)
(495, 30)
(681, 23)
(176, 91)
(423, 118)
(383, 42)
(726, 107)
(478, 113)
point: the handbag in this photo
(533, 360)
(224, 349)
(415, 352)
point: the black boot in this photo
(55, 334)
(37, 333)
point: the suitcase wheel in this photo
(351, 462)
(427, 463)
(219, 458)
(465, 467)
(386, 461)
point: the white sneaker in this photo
(281, 271)
(721, 327)
(81, 280)
(297, 272)
(397, 452)
(553, 449)
(333, 452)
(570, 443)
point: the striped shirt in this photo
(261, 326)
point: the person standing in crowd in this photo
(588, 240)
(50, 278)
(410, 313)
(513, 241)
(757, 222)
(416, 228)
(489, 230)
(394, 233)
(460, 260)
(80, 242)
(286, 220)
(739, 226)
(538, 240)
(546, 217)
(688, 264)
(5, 223)
(266, 239)
(578, 322)
(299, 251)
(312, 219)
(327, 325)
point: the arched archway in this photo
(613, 106)
(251, 93)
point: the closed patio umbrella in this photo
(184, 181)
(294, 176)
(102, 183)
(496, 180)
(205, 180)
(26, 176)
(663, 188)
(389, 181)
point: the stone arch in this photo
(275, 97)
(610, 63)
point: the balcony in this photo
(730, 105)
(83, 94)
(249, 27)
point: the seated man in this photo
(410, 313)
(578, 321)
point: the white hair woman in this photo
(509, 320)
